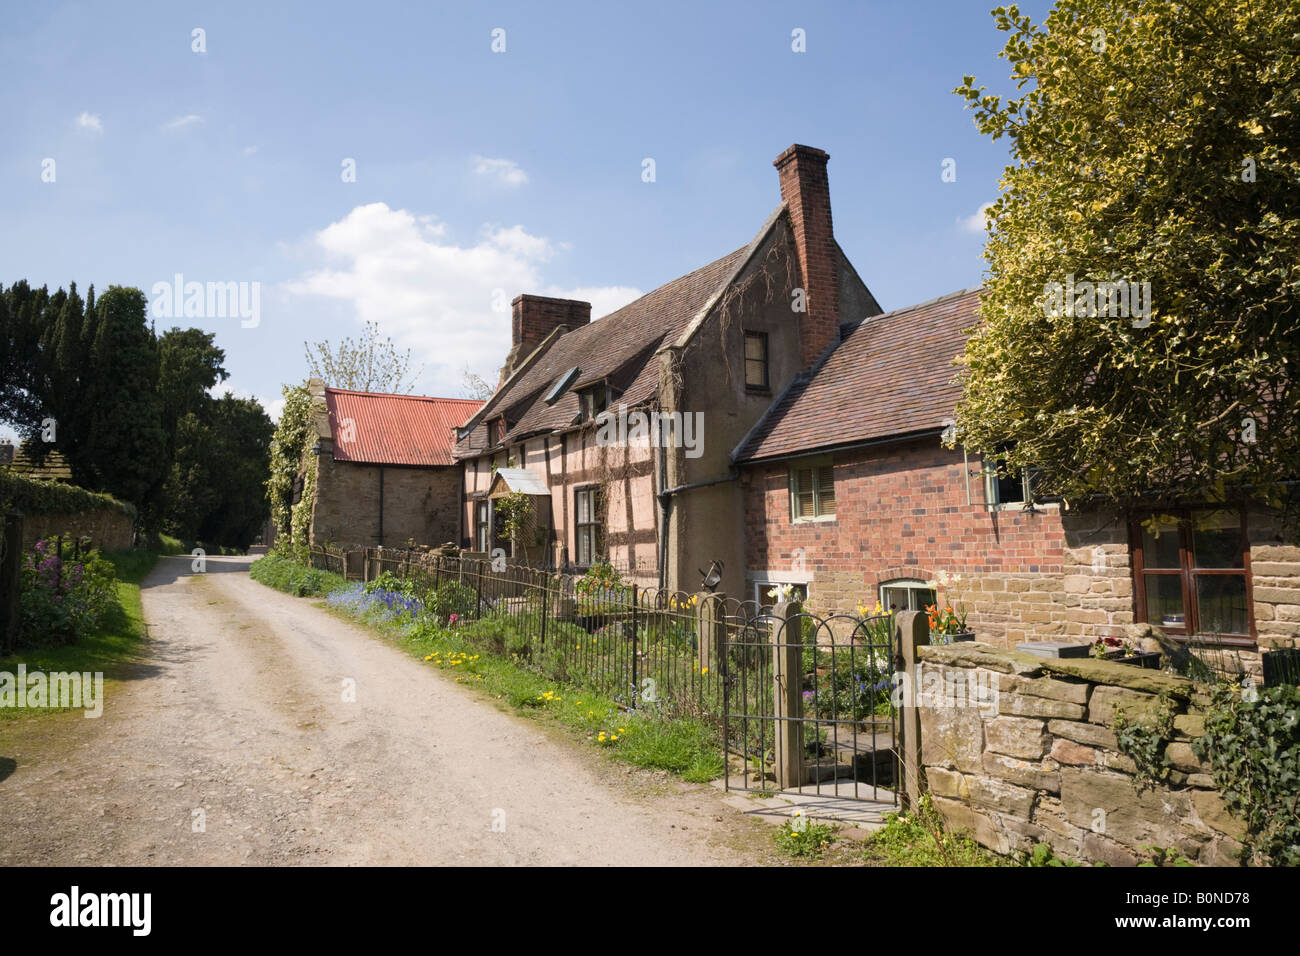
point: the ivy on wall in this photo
(294, 436)
(33, 496)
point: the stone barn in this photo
(383, 468)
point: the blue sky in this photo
(478, 174)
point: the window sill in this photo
(820, 519)
(1014, 506)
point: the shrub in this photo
(284, 574)
(1252, 741)
(63, 599)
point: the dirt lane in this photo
(240, 713)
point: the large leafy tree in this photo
(1152, 141)
(215, 489)
(126, 444)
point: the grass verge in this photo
(112, 649)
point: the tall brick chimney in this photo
(807, 192)
(533, 318)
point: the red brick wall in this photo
(805, 188)
(902, 513)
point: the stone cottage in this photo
(628, 422)
(383, 468)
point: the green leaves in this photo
(1128, 164)
(1252, 742)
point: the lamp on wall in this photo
(712, 577)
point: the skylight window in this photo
(561, 386)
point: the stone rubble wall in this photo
(1032, 759)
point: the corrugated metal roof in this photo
(519, 479)
(380, 429)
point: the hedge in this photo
(33, 496)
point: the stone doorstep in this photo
(836, 803)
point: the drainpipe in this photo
(381, 506)
(665, 499)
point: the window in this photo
(589, 539)
(1191, 572)
(561, 386)
(906, 594)
(1003, 486)
(594, 400)
(482, 525)
(798, 592)
(756, 361)
(812, 492)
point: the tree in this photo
(475, 386)
(1153, 142)
(370, 364)
(215, 492)
(125, 448)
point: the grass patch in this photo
(113, 647)
(802, 837)
(284, 574)
(918, 838)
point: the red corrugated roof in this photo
(395, 429)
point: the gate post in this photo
(912, 630)
(11, 578)
(709, 624)
(787, 636)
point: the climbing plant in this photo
(293, 436)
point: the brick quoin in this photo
(806, 190)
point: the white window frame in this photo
(911, 585)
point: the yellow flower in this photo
(704, 670)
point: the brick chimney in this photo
(807, 192)
(533, 318)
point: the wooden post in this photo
(710, 619)
(913, 631)
(11, 578)
(787, 678)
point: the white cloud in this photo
(250, 150)
(434, 296)
(975, 223)
(274, 407)
(181, 122)
(91, 122)
(505, 171)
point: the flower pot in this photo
(952, 638)
(1149, 660)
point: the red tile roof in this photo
(395, 429)
(891, 375)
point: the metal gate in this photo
(808, 705)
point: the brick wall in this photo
(108, 528)
(419, 503)
(901, 512)
(805, 188)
